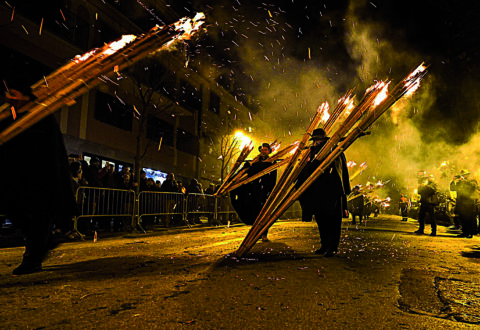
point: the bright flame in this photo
(81, 58)
(275, 147)
(292, 152)
(324, 109)
(243, 139)
(187, 26)
(382, 95)
(348, 103)
(110, 49)
(351, 164)
(363, 165)
(412, 82)
(119, 44)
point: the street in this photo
(384, 277)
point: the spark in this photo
(14, 114)
(25, 29)
(41, 26)
(61, 12)
(13, 13)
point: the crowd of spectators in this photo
(93, 175)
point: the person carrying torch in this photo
(248, 200)
(326, 196)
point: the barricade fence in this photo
(93, 202)
(170, 208)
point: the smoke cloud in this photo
(297, 58)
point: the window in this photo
(112, 111)
(157, 128)
(187, 142)
(190, 96)
(214, 103)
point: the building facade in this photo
(186, 111)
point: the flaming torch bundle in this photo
(374, 103)
(242, 177)
(247, 149)
(85, 72)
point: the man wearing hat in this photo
(248, 200)
(355, 203)
(427, 190)
(326, 196)
(465, 209)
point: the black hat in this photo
(318, 134)
(265, 145)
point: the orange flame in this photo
(412, 83)
(119, 44)
(275, 147)
(363, 165)
(348, 102)
(292, 152)
(324, 109)
(187, 26)
(382, 94)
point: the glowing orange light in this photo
(382, 95)
(351, 164)
(119, 44)
(276, 147)
(324, 109)
(187, 26)
(348, 103)
(242, 139)
(412, 84)
(14, 114)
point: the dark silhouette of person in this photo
(248, 199)
(326, 196)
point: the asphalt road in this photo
(384, 277)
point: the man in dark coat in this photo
(355, 203)
(36, 208)
(465, 207)
(248, 200)
(326, 196)
(170, 185)
(427, 191)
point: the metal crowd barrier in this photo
(103, 202)
(95, 202)
(152, 203)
